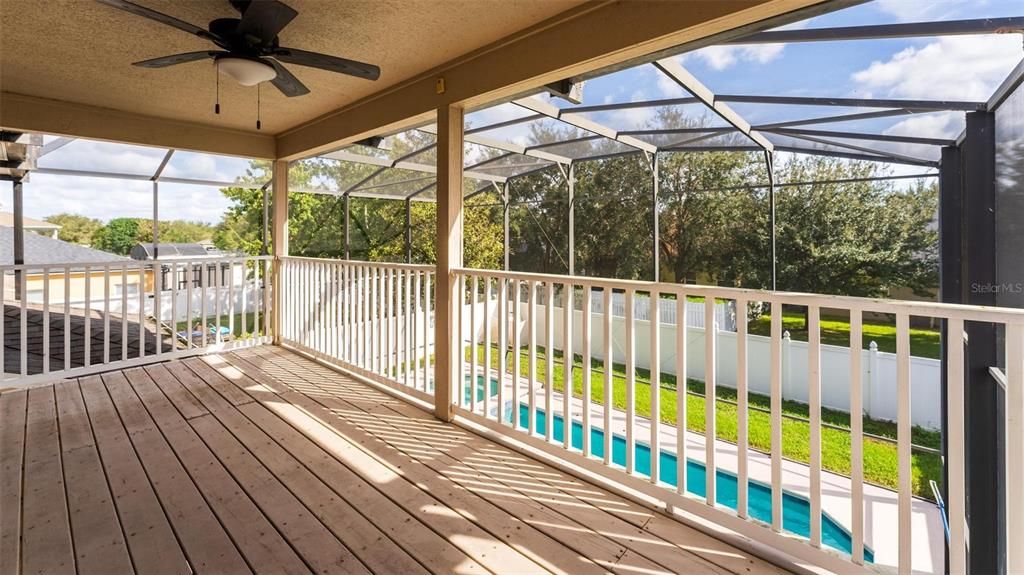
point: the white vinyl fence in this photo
(878, 369)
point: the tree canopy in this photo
(861, 238)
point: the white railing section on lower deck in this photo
(375, 319)
(68, 320)
(514, 391)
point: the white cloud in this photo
(723, 57)
(923, 10)
(956, 68)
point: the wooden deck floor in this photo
(262, 461)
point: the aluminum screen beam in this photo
(55, 145)
(929, 105)
(510, 147)
(584, 124)
(843, 118)
(862, 136)
(402, 165)
(691, 84)
(890, 156)
(878, 32)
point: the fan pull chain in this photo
(258, 105)
(216, 71)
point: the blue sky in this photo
(961, 68)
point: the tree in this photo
(118, 236)
(74, 228)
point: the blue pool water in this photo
(796, 510)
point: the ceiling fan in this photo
(249, 49)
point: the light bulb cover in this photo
(246, 71)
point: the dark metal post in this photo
(348, 255)
(505, 222)
(408, 230)
(655, 169)
(19, 236)
(950, 270)
(984, 399)
(770, 165)
(571, 179)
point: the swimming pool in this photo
(796, 510)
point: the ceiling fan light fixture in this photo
(246, 71)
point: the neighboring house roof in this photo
(43, 250)
(7, 219)
(171, 251)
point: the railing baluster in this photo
(903, 439)
(586, 395)
(655, 354)
(742, 442)
(22, 294)
(416, 310)
(710, 395)
(814, 405)
(124, 313)
(46, 322)
(189, 273)
(204, 276)
(3, 321)
(487, 347)
(776, 413)
(67, 319)
(87, 341)
(567, 360)
(857, 439)
(549, 359)
(502, 346)
(609, 380)
(681, 395)
(408, 324)
(630, 381)
(473, 360)
(173, 273)
(158, 287)
(106, 314)
(217, 307)
(426, 331)
(531, 416)
(516, 345)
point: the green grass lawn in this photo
(880, 458)
(239, 330)
(836, 331)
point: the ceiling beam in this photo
(883, 31)
(675, 71)
(40, 115)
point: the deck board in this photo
(261, 460)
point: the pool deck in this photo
(880, 504)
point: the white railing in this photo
(374, 319)
(514, 379)
(68, 320)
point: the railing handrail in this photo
(922, 308)
(126, 263)
(361, 263)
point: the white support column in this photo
(279, 235)
(447, 366)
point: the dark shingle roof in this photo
(145, 251)
(48, 251)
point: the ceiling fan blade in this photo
(159, 17)
(165, 61)
(263, 19)
(288, 84)
(325, 62)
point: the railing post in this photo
(869, 400)
(279, 235)
(787, 376)
(447, 365)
